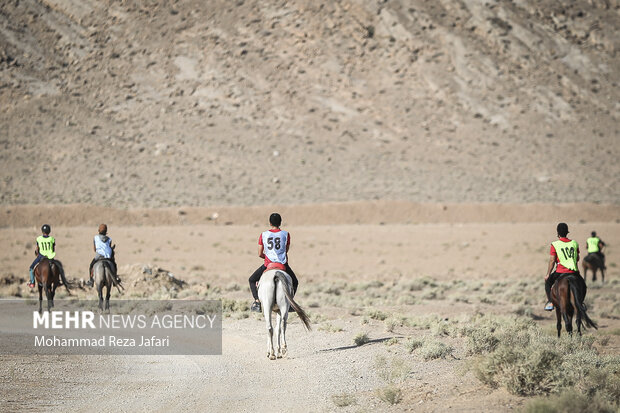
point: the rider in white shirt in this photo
(102, 245)
(273, 246)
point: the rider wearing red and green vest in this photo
(595, 246)
(564, 256)
(46, 247)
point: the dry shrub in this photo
(432, 350)
(413, 344)
(343, 400)
(360, 339)
(377, 315)
(329, 328)
(233, 306)
(569, 402)
(519, 357)
(393, 373)
(390, 394)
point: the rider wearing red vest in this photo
(273, 246)
(564, 256)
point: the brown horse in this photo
(48, 274)
(567, 300)
(593, 262)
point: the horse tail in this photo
(115, 283)
(580, 308)
(61, 270)
(300, 311)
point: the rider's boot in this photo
(90, 282)
(31, 283)
(256, 307)
(549, 306)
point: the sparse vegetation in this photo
(432, 349)
(393, 374)
(344, 400)
(569, 401)
(517, 355)
(390, 394)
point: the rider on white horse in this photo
(273, 246)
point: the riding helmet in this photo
(45, 229)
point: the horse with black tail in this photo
(275, 291)
(48, 274)
(104, 275)
(567, 300)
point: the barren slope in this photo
(165, 103)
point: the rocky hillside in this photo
(161, 103)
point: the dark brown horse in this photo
(593, 262)
(566, 299)
(48, 274)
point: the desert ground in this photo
(420, 281)
(420, 152)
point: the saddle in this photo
(275, 266)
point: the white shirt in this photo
(103, 245)
(274, 245)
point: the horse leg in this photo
(568, 319)
(278, 333)
(270, 350)
(100, 294)
(53, 294)
(284, 321)
(107, 298)
(40, 299)
(558, 316)
(603, 275)
(48, 294)
(578, 313)
(594, 274)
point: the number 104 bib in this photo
(567, 253)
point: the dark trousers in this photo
(554, 276)
(256, 276)
(36, 261)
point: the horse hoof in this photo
(272, 357)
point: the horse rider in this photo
(273, 246)
(595, 246)
(46, 247)
(564, 255)
(102, 245)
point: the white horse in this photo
(275, 292)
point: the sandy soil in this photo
(323, 363)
